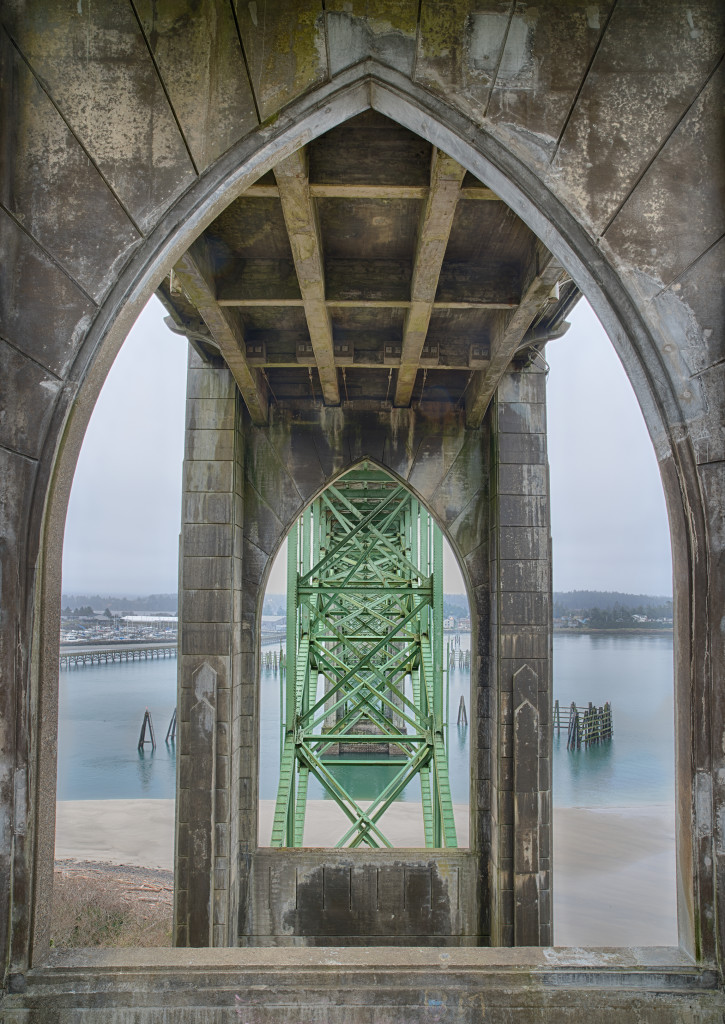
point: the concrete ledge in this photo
(370, 985)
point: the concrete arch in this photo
(394, 475)
(602, 278)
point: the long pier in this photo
(110, 653)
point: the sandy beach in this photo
(614, 868)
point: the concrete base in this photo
(367, 986)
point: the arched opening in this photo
(114, 837)
(484, 157)
(613, 788)
(366, 627)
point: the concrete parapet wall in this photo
(336, 897)
(368, 986)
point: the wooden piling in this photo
(142, 738)
(171, 731)
(588, 725)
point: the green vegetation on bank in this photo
(87, 604)
(579, 601)
(611, 611)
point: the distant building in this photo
(140, 620)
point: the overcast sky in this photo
(609, 524)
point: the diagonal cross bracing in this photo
(364, 659)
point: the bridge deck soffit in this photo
(368, 266)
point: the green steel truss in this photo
(364, 667)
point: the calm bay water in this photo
(101, 709)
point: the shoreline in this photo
(613, 867)
(624, 631)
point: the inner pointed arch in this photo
(364, 697)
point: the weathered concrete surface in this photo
(341, 898)
(628, 118)
(369, 986)
(212, 682)
(520, 632)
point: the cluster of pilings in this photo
(459, 659)
(273, 661)
(587, 726)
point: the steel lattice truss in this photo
(364, 657)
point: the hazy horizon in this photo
(136, 596)
(609, 525)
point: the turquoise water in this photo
(633, 673)
(102, 706)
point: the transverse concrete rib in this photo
(304, 235)
(320, 190)
(507, 340)
(446, 178)
(194, 274)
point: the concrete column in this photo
(210, 612)
(521, 660)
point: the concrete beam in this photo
(506, 341)
(195, 275)
(304, 235)
(446, 177)
(341, 191)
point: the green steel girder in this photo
(364, 662)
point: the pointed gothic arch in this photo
(639, 342)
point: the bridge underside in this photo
(368, 266)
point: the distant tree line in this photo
(84, 604)
(600, 606)
(69, 612)
(580, 601)
(456, 605)
(619, 617)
